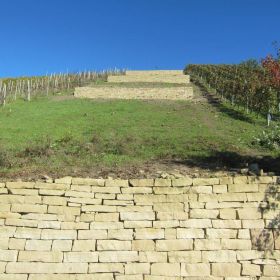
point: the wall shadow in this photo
(225, 160)
(269, 207)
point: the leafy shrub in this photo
(269, 139)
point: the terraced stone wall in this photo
(147, 229)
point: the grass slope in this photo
(60, 136)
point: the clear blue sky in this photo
(59, 35)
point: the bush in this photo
(269, 139)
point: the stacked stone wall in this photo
(148, 229)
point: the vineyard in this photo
(254, 87)
(29, 87)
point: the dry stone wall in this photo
(147, 229)
(173, 93)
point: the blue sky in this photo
(39, 37)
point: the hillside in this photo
(60, 135)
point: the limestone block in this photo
(228, 214)
(92, 234)
(64, 180)
(198, 269)
(253, 224)
(196, 223)
(16, 244)
(62, 245)
(105, 190)
(74, 225)
(155, 257)
(182, 182)
(143, 245)
(166, 269)
(170, 233)
(245, 255)
(226, 269)
(219, 188)
(137, 224)
(201, 189)
(165, 216)
(203, 213)
(236, 244)
(106, 267)
(135, 208)
(244, 234)
(58, 234)
(117, 202)
(51, 192)
(88, 181)
(120, 234)
(137, 216)
(187, 233)
(38, 245)
(184, 256)
(251, 269)
(213, 233)
(174, 245)
(51, 186)
(168, 207)
(230, 197)
(116, 183)
(40, 256)
(159, 182)
(227, 256)
(207, 244)
(106, 217)
(271, 270)
(168, 190)
(206, 181)
(81, 188)
(49, 224)
(48, 268)
(113, 245)
(13, 276)
(149, 199)
(84, 245)
(99, 208)
(80, 257)
(21, 222)
(231, 224)
(118, 256)
(55, 200)
(10, 199)
(30, 233)
(242, 188)
(64, 210)
(166, 224)
(249, 213)
(139, 190)
(29, 208)
(204, 197)
(141, 182)
(137, 268)
(8, 255)
(20, 185)
(21, 191)
(149, 233)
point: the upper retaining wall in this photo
(76, 229)
(174, 93)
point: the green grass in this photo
(51, 136)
